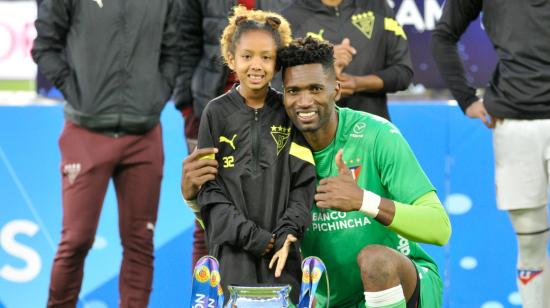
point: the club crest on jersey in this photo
(355, 171)
(525, 276)
(280, 134)
(364, 22)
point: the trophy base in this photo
(269, 296)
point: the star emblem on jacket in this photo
(99, 3)
(364, 22)
(280, 134)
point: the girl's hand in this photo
(281, 255)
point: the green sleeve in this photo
(424, 221)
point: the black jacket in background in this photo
(265, 186)
(520, 33)
(203, 76)
(382, 48)
(115, 64)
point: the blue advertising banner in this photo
(477, 266)
(30, 217)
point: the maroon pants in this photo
(89, 161)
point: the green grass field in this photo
(17, 85)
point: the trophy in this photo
(270, 296)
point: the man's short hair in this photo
(307, 51)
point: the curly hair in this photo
(244, 20)
(307, 51)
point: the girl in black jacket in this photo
(261, 199)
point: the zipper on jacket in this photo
(256, 140)
(340, 23)
(123, 59)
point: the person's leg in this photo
(389, 278)
(85, 171)
(531, 227)
(522, 152)
(546, 273)
(137, 181)
(546, 276)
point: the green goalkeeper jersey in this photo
(382, 162)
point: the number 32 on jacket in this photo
(228, 161)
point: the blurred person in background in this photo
(517, 106)
(371, 49)
(116, 63)
(203, 76)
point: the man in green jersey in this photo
(373, 200)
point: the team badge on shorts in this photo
(72, 171)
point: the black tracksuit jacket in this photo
(265, 186)
(382, 47)
(114, 61)
(520, 33)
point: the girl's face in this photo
(254, 60)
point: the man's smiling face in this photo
(310, 96)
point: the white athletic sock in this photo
(531, 287)
(389, 298)
(547, 283)
(532, 255)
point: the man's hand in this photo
(343, 55)
(348, 84)
(477, 111)
(196, 171)
(281, 255)
(340, 192)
